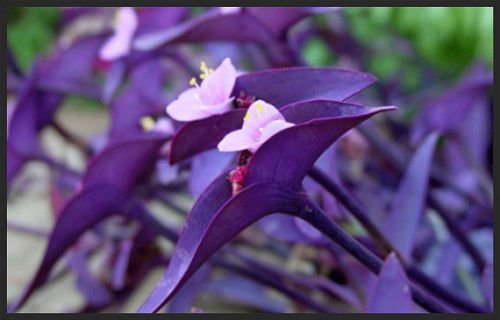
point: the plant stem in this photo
(71, 137)
(399, 159)
(317, 218)
(413, 272)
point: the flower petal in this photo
(236, 141)
(218, 85)
(272, 128)
(127, 21)
(116, 47)
(187, 107)
(259, 114)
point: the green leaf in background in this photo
(31, 32)
(316, 53)
(449, 38)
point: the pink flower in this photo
(261, 122)
(210, 98)
(120, 43)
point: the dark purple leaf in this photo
(217, 216)
(123, 163)
(286, 228)
(212, 26)
(142, 96)
(152, 19)
(205, 168)
(289, 85)
(186, 296)
(319, 124)
(71, 70)
(279, 19)
(201, 135)
(94, 291)
(248, 293)
(449, 111)
(409, 202)
(279, 87)
(391, 293)
(82, 212)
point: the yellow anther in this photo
(247, 116)
(260, 108)
(202, 76)
(210, 70)
(203, 66)
(147, 123)
(192, 82)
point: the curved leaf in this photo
(214, 220)
(391, 293)
(287, 156)
(81, 213)
(280, 87)
(142, 96)
(213, 26)
(71, 70)
(201, 135)
(409, 201)
(124, 162)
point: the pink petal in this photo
(259, 114)
(116, 47)
(236, 141)
(219, 108)
(229, 10)
(188, 107)
(127, 21)
(270, 130)
(218, 85)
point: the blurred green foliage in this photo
(31, 32)
(449, 38)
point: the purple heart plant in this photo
(278, 186)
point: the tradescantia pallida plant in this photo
(271, 156)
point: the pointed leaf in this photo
(214, 220)
(213, 26)
(71, 70)
(123, 163)
(81, 213)
(391, 293)
(409, 201)
(287, 156)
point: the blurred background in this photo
(407, 47)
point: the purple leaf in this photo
(280, 87)
(205, 168)
(218, 216)
(286, 228)
(123, 163)
(201, 135)
(212, 26)
(276, 86)
(391, 293)
(142, 96)
(94, 291)
(186, 296)
(72, 70)
(152, 19)
(409, 201)
(319, 124)
(449, 111)
(254, 294)
(279, 19)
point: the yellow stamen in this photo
(203, 66)
(147, 123)
(260, 108)
(210, 70)
(247, 116)
(203, 76)
(192, 82)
